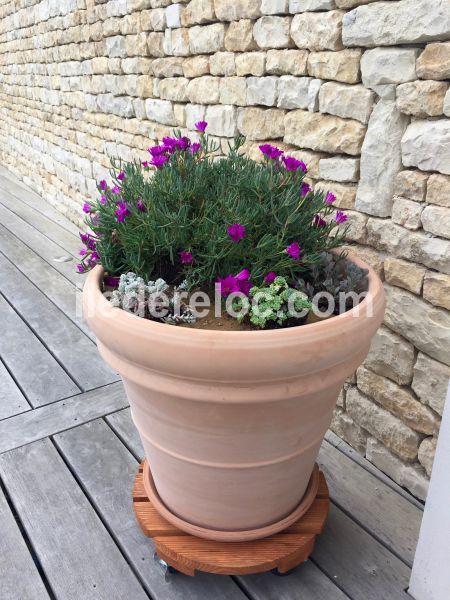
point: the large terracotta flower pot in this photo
(232, 421)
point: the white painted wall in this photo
(430, 579)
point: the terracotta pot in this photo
(232, 421)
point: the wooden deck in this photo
(69, 454)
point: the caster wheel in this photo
(165, 568)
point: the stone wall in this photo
(357, 88)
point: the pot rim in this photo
(93, 296)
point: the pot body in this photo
(232, 422)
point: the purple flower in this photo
(103, 185)
(121, 176)
(319, 222)
(170, 144)
(305, 189)
(186, 257)
(87, 207)
(330, 198)
(245, 287)
(270, 277)
(158, 150)
(94, 258)
(236, 232)
(159, 161)
(294, 250)
(122, 211)
(103, 199)
(140, 205)
(201, 126)
(228, 285)
(82, 251)
(271, 151)
(183, 143)
(112, 281)
(293, 164)
(145, 163)
(116, 190)
(340, 217)
(195, 147)
(81, 268)
(243, 275)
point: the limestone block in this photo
(339, 168)
(274, 7)
(286, 62)
(447, 104)
(387, 428)
(436, 289)
(438, 190)
(301, 6)
(348, 430)
(272, 32)
(347, 101)
(311, 160)
(341, 66)
(196, 66)
(411, 185)
(390, 23)
(352, 3)
(115, 47)
(153, 20)
(179, 44)
(388, 65)
(261, 124)
(239, 36)
(171, 66)
(222, 120)
(207, 39)
(356, 223)
(318, 31)
(160, 111)
(407, 213)
(426, 144)
(313, 94)
(117, 105)
(422, 98)
(324, 132)
(197, 12)
(174, 88)
(380, 159)
(251, 63)
(173, 16)
(427, 451)
(436, 220)
(430, 382)
(233, 90)
(415, 246)
(262, 90)
(424, 325)
(139, 108)
(411, 477)
(222, 63)
(194, 114)
(155, 44)
(391, 356)
(345, 194)
(204, 90)
(397, 400)
(404, 274)
(230, 10)
(293, 92)
(434, 62)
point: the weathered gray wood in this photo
(53, 284)
(19, 578)
(47, 420)
(12, 401)
(79, 558)
(306, 582)
(122, 423)
(358, 563)
(39, 375)
(22, 192)
(385, 514)
(46, 226)
(65, 341)
(41, 244)
(106, 470)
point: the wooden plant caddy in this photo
(280, 553)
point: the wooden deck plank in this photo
(122, 423)
(38, 373)
(41, 244)
(358, 563)
(22, 192)
(19, 576)
(51, 282)
(12, 401)
(61, 336)
(46, 226)
(53, 418)
(106, 470)
(384, 513)
(78, 556)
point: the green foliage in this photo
(188, 204)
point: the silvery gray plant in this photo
(155, 299)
